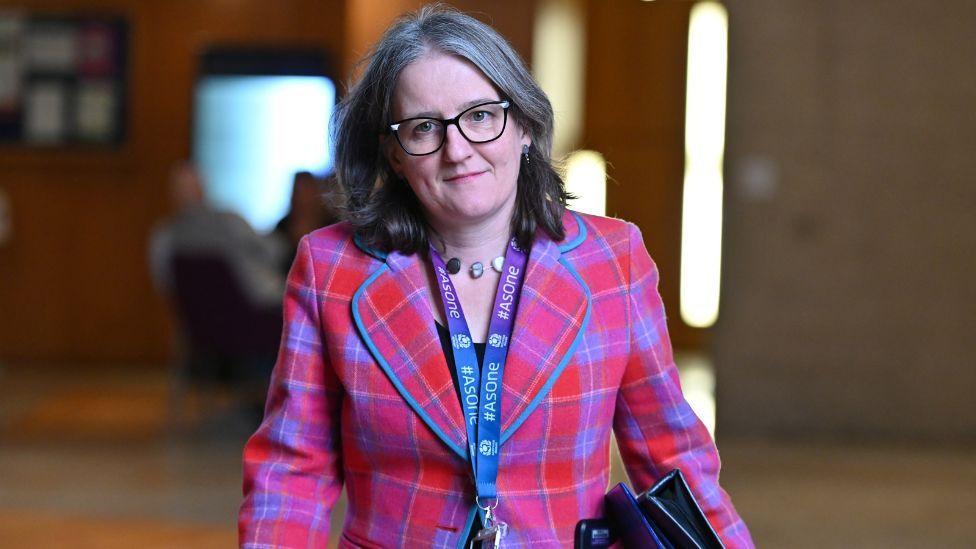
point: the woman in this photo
(444, 153)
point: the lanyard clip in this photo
(486, 508)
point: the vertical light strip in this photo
(558, 64)
(701, 222)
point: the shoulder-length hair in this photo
(384, 211)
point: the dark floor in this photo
(77, 472)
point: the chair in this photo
(227, 341)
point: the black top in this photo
(479, 349)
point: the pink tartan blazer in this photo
(361, 397)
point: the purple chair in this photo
(228, 341)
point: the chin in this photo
(476, 212)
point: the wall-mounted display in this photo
(259, 116)
(62, 79)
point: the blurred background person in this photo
(199, 228)
(309, 210)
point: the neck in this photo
(477, 242)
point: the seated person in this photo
(198, 227)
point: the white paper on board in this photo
(44, 113)
(96, 108)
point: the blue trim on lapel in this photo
(368, 250)
(580, 237)
(463, 452)
(462, 542)
(562, 363)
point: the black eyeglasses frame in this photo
(505, 104)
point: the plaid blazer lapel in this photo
(553, 312)
(392, 313)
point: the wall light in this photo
(558, 64)
(701, 225)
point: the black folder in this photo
(666, 516)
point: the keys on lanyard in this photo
(493, 532)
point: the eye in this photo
(426, 126)
(480, 116)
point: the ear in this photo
(524, 137)
(392, 151)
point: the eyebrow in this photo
(464, 106)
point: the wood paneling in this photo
(849, 301)
(366, 21)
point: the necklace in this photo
(477, 268)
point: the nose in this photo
(456, 147)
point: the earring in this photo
(525, 153)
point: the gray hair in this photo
(383, 211)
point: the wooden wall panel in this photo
(849, 302)
(366, 21)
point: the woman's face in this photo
(463, 183)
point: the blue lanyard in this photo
(482, 408)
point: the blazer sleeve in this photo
(292, 464)
(656, 429)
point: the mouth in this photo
(463, 177)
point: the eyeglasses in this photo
(478, 124)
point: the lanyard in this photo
(482, 409)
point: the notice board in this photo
(63, 79)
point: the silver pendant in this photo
(498, 263)
(477, 269)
